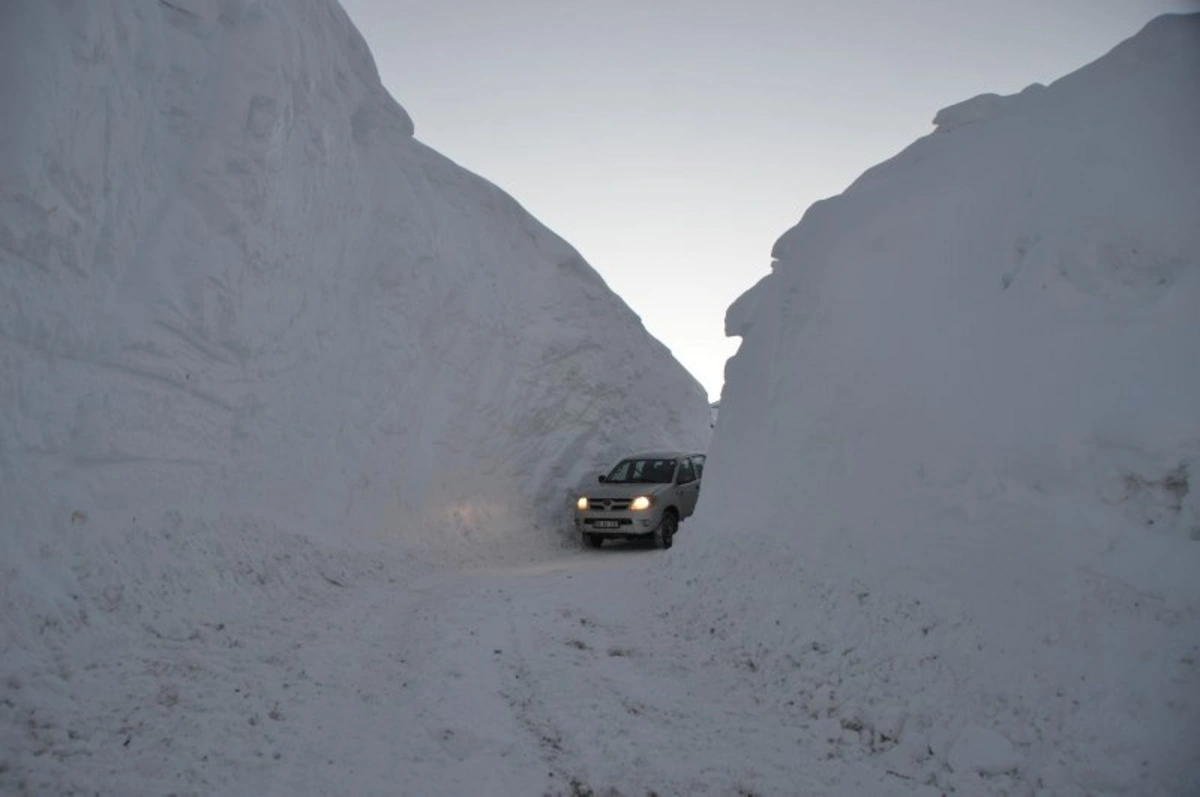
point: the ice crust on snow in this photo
(956, 466)
(244, 313)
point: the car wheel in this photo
(592, 540)
(664, 534)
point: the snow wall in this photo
(243, 310)
(953, 498)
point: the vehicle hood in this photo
(624, 490)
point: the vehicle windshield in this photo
(643, 471)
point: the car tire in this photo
(664, 533)
(592, 540)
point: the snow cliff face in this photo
(954, 492)
(239, 299)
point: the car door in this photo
(688, 489)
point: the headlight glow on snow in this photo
(640, 503)
(582, 503)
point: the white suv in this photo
(642, 496)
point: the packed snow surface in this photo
(953, 500)
(291, 408)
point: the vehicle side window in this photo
(687, 473)
(699, 462)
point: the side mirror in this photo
(603, 478)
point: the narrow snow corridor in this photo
(294, 411)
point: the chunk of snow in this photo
(982, 750)
(985, 106)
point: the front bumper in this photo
(617, 524)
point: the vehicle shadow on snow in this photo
(623, 546)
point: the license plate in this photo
(606, 524)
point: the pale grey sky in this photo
(672, 141)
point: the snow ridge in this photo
(952, 497)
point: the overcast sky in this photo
(672, 141)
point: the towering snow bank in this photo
(953, 500)
(238, 299)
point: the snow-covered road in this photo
(555, 678)
(561, 677)
(558, 678)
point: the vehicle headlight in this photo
(641, 502)
(582, 503)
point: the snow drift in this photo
(952, 498)
(243, 311)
